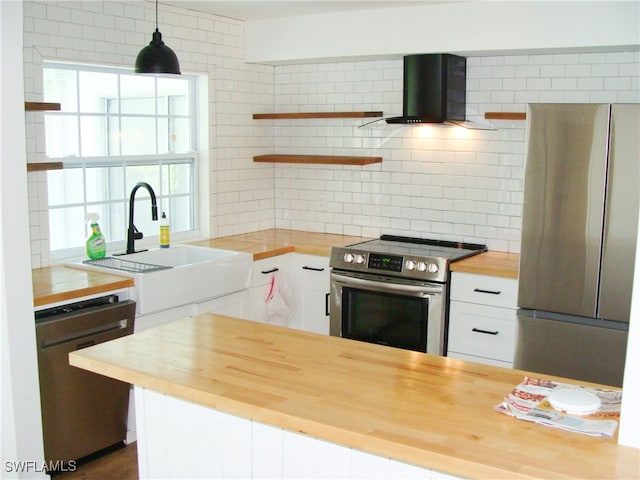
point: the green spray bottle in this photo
(96, 246)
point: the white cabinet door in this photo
(308, 279)
(261, 274)
(484, 289)
(234, 305)
(311, 277)
(482, 319)
(482, 330)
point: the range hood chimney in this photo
(434, 89)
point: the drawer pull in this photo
(313, 268)
(266, 272)
(487, 332)
(491, 292)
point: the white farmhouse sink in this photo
(179, 255)
(183, 274)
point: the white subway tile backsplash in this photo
(618, 84)
(430, 183)
(631, 96)
(552, 97)
(552, 71)
(605, 70)
(629, 70)
(427, 174)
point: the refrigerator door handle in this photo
(623, 198)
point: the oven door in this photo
(388, 311)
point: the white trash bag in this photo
(280, 302)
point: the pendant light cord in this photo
(156, 15)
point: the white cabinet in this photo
(308, 279)
(234, 305)
(144, 322)
(261, 274)
(311, 279)
(482, 319)
(182, 439)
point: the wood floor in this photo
(121, 464)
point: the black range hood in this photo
(434, 89)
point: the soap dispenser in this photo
(164, 231)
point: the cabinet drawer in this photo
(262, 270)
(484, 289)
(482, 331)
(483, 360)
(311, 271)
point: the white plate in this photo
(574, 401)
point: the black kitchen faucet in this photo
(132, 232)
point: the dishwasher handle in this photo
(70, 308)
(79, 335)
(79, 326)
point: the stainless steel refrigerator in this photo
(580, 222)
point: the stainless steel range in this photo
(394, 291)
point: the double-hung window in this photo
(115, 129)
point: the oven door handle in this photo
(417, 290)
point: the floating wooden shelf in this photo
(318, 159)
(44, 166)
(505, 115)
(301, 115)
(40, 106)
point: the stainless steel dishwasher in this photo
(82, 412)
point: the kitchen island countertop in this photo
(431, 411)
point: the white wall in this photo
(20, 402)
(469, 28)
(432, 182)
(629, 429)
(112, 33)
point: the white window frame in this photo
(151, 238)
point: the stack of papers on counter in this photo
(530, 401)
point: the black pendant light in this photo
(157, 57)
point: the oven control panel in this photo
(408, 266)
(391, 263)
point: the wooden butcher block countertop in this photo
(269, 243)
(432, 411)
(60, 283)
(497, 264)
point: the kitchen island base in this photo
(181, 439)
